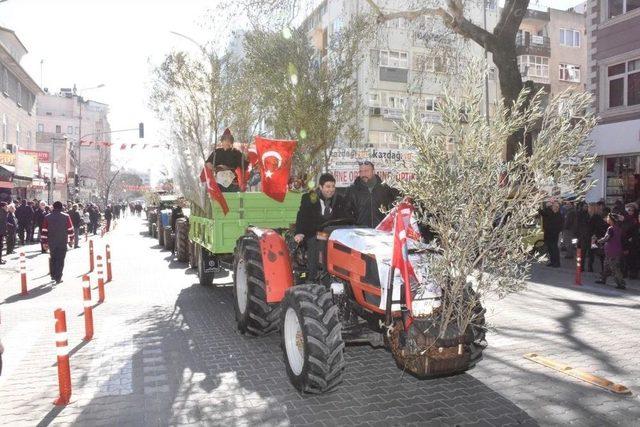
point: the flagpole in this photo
(388, 317)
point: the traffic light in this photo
(141, 130)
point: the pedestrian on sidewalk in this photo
(3, 227)
(25, 218)
(12, 228)
(552, 226)
(38, 219)
(613, 251)
(76, 220)
(57, 232)
(630, 242)
(108, 216)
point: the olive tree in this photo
(307, 94)
(476, 203)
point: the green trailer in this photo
(213, 235)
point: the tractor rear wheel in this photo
(312, 339)
(168, 238)
(193, 255)
(160, 230)
(182, 240)
(204, 278)
(253, 314)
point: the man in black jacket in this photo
(316, 208)
(57, 232)
(77, 222)
(368, 195)
(25, 220)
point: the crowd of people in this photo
(21, 221)
(610, 236)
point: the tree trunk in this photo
(510, 85)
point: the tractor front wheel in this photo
(253, 314)
(312, 339)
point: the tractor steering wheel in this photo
(336, 222)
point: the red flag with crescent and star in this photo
(400, 257)
(274, 157)
(213, 190)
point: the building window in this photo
(58, 129)
(394, 59)
(426, 103)
(570, 73)
(394, 100)
(620, 7)
(624, 84)
(534, 66)
(40, 127)
(69, 130)
(569, 37)
(374, 99)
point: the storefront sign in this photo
(41, 156)
(394, 165)
(25, 165)
(7, 159)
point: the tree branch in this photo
(454, 20)
(511, 17)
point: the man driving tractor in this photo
(317, 207)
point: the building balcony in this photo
(431, 117)
(392, 113)
(533, 45)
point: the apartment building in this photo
(400, 73)
(65, 117)
(614, 80)
(552, 49)
(17, 118)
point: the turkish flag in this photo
(242, 178)
(274, 157)
(400, 257)
(212, 188)
(252, 155)
(411, 226)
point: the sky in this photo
(116, 43)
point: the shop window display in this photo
(623, 179)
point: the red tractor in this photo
(346, 305)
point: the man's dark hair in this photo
(326, 177)
(57, 205)
(367, 163)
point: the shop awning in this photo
(6, 184)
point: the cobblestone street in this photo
(166, 352)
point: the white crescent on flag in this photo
(272, 154)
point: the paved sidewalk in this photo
(166, 353)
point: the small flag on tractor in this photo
(213, 190)
(400, 257)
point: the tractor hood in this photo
(379, 244)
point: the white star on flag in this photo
(268, 174)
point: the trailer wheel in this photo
(205, 278)
(193, 255)
(168, 238)
(160, 231)
(312, 339)
(182, 240)
(253, 314)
